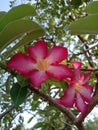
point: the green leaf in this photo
(35, 97)
(87, 25)
(92, 8)
(7, 84)
(2, 14)
(15, 29)
(76, 3)
(16, 13)
(29, 38)
(39, 125)
(59, 84)
(18, 94)
(22, 81)
(54, 82)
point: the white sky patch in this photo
(4, 5)
(27, 116)
(92, 114)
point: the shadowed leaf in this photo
(18, 94)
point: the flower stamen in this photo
(78, 86)
(42, 65)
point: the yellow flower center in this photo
(78, 86)
(42, 65)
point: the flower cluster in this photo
(40, 63)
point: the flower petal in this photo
(39, 51)
(90, 88)
(21, 63)
(80, 104)
(86, 77)
(81, 79)
(68, 98)
(38, 77)
(86, 92)
(77, 67)
(59, 71)
(57, 54)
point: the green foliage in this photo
(17, 13)
(92, 124)
(2, 14)
(17, 29)
(7, 84)
(49, 120)
(56, 83)
(92, 8)
(37, 32)
(76, 3)
(15, 23)
(87, 25)
(18, 94)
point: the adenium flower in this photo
(79, 92)
(40, 63)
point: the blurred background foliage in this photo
(92, 124)
(55, 16)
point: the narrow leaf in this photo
(87, 25)
(18, 94)
(7, 84)
(15, 29)
(92, 8)
(31, 118)
(16, 13)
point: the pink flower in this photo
(40, 64)
(79, 92)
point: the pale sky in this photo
(4, 5)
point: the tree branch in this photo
(68, 113)
(64, 110)
(11, 108)
(4, 67)
(7, 111)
